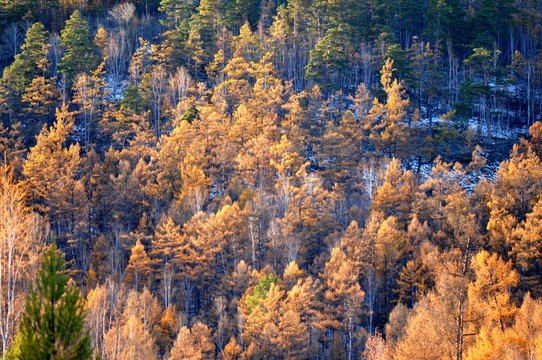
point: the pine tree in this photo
(483, 62)
(52, 327)
(31, 62)
(80, 55)
(328, 60)
(176, 12)
(176, 19)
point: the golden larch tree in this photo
(195, 343)
(139, 269)
(21, 240)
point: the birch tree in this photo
(21, 235)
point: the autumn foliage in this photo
(232, 180)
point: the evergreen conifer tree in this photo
(80, 55)
(30, 62)
(52, 326)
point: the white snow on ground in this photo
(115, 90)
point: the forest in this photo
(299, 179)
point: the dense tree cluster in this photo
(291, 180)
